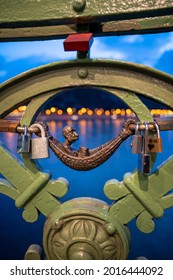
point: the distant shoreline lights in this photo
(97, 112)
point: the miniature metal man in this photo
(71, 136)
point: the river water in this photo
(16, 235)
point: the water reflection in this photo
(158, 245)
(53, 126)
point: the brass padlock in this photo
(144, 157)
(39, 145)
(137, 141)
(155, 142)
(24, 142)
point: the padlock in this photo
(39, 146)
(24, 142)
(155, 142)
(137, 141)
(144, 157)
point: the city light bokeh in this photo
(97, 112)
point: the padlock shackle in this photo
(146, 138)
(25, 129)
(157, 128)
(37, 125)
(137, 128)
(23, 141)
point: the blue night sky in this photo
(154, 50)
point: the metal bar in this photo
(8, 126)
(32, 190)
(164, 124)
(22, 13)
(38, 33)
(14, 126)
(58, 76)
(110, 28)
(25, 20)
(20, 129)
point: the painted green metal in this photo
(31, 191)
(7, 189)
(101, 73)
(136, 26)
(33, 252)
(142, 196)
(78, 5)
(27, 11)
(26, 187)
(133, 102)
(27, 20)
(118, 27)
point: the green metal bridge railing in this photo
(88, 223)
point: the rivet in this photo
(79, 5)
(110, 228)
(58, 224)
(82, 73)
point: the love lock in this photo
(39, 146)
(155, 142)
(137, 141)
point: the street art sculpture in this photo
(86, 228)
(85, 159)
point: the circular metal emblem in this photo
(84, 230)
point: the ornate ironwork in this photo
(85, 228)
(36, 192)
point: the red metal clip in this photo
(78, 42)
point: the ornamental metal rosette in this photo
(83, 229)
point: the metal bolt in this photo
(79, 5)
(58, 224)
(110, 228)
(82, 73)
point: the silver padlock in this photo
(24, 142)
(137, 141)
(144, 157)
(39, 145)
